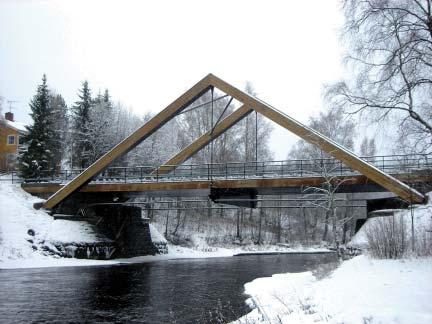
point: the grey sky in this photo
(148, 53)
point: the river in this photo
(175, 291)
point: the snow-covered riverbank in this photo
(18, 249)
(361, 290)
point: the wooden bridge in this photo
(344, 168)
(271, 177)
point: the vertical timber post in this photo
(211, 134)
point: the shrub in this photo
(392, 237)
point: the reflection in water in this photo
(182, 291)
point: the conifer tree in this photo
(81, 148)
(107, 100)
(37, 154)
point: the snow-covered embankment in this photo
(20, 249)
(361, 290)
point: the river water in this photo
(176, 291)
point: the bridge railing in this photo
(391, 164)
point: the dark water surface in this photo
(176, 291)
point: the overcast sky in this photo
(148, 53)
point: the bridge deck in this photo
(265, 186)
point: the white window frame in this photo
(14, 139)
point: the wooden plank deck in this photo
(223, 183)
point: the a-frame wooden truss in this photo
(249, 103)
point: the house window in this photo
(11, 139)
(20, 140)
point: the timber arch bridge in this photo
(231, 182)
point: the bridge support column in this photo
(125, 225)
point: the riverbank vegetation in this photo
(389, 283)
(404, 234)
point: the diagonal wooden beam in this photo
(308, 134)
(326, 144)
(205, 139)
(130, 142)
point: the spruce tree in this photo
(81, 147)
(37, 154)
(107, 100)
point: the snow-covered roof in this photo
(20, 127)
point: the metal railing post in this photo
(301, 168)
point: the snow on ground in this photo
(361, 290)
(174, 252)
(205, 251)
(156, 236)
(422, 215)
(59, 231)
(17, 216)
(19, 249)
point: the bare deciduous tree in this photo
(390, 58)
(368, 147)
(331, 123)
(256, 130)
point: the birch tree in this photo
(333, 124)
(390, 60)
(256, 131)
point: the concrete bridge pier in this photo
(125, 225)
(121, 223)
